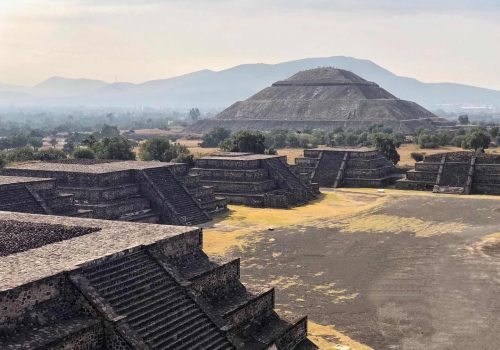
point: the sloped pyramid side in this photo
(323, 98)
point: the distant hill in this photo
(210, 89)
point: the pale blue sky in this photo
(138, 40)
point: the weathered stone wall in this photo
(91, 338)
(260, 306)
(216, 284)
(213, 163)
(231, 174)
(186, 243)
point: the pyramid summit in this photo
(325, 98)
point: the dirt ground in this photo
(392, 270)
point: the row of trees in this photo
(476, 138)
(220, 137)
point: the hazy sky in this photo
(138, 40)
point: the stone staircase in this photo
(155, 306)
(190, 212)
(290, 181)
(347, 167)
(246, 314)
(18, 198)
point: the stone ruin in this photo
(37, 196)
(134, 191)
(86, 284)
(255, 180)
(455, 172)
(345, 167)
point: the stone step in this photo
(132, 281)
(124, 277)
(200, 328)
(146, 215)
(126, 294)
(164, 326)
(116, 264)
(248, 307)
(195, 338)
(156, 308)
(116, 208)
(146, 301)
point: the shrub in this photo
(215, 137)
(20, 154)
(83, 153)
(50, 154)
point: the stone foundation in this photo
(151, 192)
(462, 172)
(253, 180)
(133, 287)
(346, 167)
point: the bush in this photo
(245, 141)
(83, 153)
(20, 154)
(428, 141)
(417, 156)
(185, 158)
(386, 145)
(114, 148)
(477, 140)
(162, 150)
(215, 137)
(50, 154)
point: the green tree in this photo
(386, 145)
(463, 119)
(35, 142)
(245, 141)
(114, 148)
(109, 131)
(494, 132)
(50, 154)
(83, 153)
(477, 140)
(194, 114)
(162, 150)
(214, 137)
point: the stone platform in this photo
(253, 179)
(455, 172)
(133, 191)
(37, 196)
(345, 167)
(94, 284)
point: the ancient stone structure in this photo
(345, 167)
(455, 172)
(253, 179)
(85, 284)
(134, 191)
(36, 195)
(323, 98)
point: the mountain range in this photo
(209, 89)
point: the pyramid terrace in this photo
(345, 167)
(253, 179)
(94, 284)
(132, 191)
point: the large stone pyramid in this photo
(324, 98)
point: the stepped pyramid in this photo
(325, 98)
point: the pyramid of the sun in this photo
(322, 98)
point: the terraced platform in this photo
(345, 167)
(115, 285)
(253, 180)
